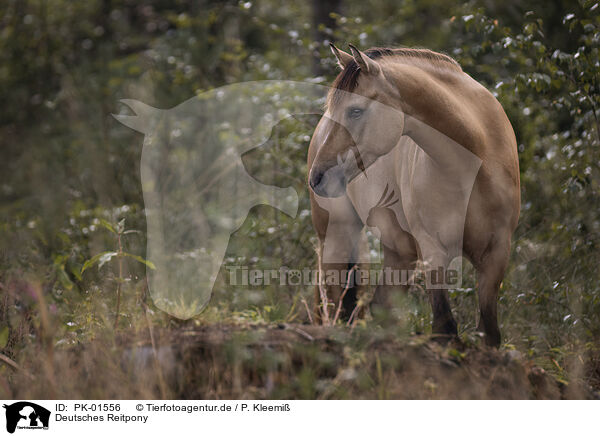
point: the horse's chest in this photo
(367, 189)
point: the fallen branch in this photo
(14, 365)
(300, 332)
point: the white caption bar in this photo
(297, 417)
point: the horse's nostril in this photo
(316, 179)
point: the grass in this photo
(226, 355)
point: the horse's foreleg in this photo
(443, 321)
(338, 254)
(398, 267)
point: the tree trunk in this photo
(323, 26)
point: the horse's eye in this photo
(354, 113)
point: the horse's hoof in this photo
(447, 327)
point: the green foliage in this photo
(551, 96)
(102, 258)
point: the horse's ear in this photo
(342, 57)
(366, 64)
(144, 119)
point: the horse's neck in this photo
(436, 113)
(436, 97)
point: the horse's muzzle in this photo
(330, 182)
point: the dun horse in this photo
(441, 155)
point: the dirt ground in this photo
(285, 361)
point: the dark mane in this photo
(347, 80)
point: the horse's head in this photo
(363, 121)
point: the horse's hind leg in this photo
(443, 321)
(490, 272)
(398, 266)
(343, 275)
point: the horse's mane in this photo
(347, 80)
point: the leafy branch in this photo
(103, 258)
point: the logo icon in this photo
(26, 415)
(197, 191)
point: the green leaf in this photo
(121, 226)
(64, 279)
(4, 337)
(456, 354)
(141, 260)
(100, 258)
(106, 257)
(75, 272)
(107, 225)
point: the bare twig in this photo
(310, 318)
(10, 362)
(120, 256)
(352, 319)
(300, 332)
(46, 333)
(161, 380)
(14, 365)
(323, 293)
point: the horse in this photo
(412, 124)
